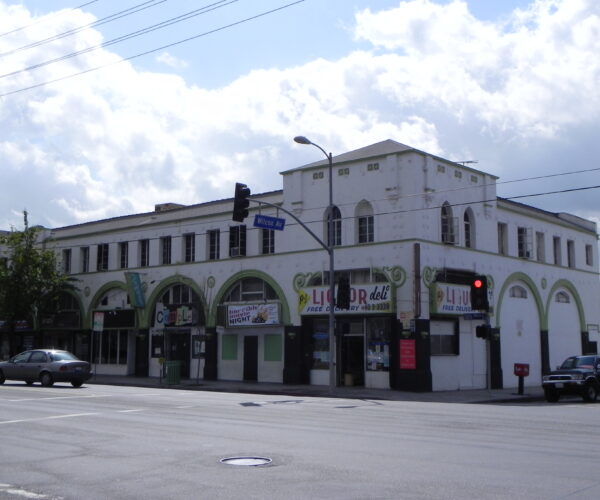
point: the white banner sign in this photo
(364, 299)
(253, 314)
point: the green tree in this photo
(30, 279)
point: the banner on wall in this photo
(364, 299)
(98, 321)
(253, 315)
(135, 290)
(448, 298)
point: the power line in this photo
(210, 32)
(98, 22)
(128, 36)
(46, 18)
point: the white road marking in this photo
(131, 411)
(54, 417)
(13, 490)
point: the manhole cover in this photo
(248, 461)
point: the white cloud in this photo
(119, 140)
(171, 61)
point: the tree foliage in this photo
(30, 280)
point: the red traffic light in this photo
(477, 283)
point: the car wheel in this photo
(590, 392)
(76, 383)
(551, 395)
(29, 382)
(2, 379)
(46, 379)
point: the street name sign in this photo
(267, 222)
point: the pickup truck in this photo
(579, 375)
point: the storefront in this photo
(178, 333)
(363, 335)
(250, 332)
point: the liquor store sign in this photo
(364, 299)
(446, 298)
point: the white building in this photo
(236, 302)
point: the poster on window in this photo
(253, 314)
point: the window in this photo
(540, 246)
(468, 226)
(214, 238)
(66, 261)
(372, 166)
(268, 241)
(517, 292)
(165, 250)
(589, 255)
(448, 225)
(337, 226)
(557, 250)
(524, 242)
(102, 257)
(502, 238)
(365, 222)
(124, 255)
(237, 241)
(444, 338)
(190, 247)
(144, 253)
(85, 259)
(562, 297)
(570, 253)
(110, 347)
(250, 290)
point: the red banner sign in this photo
(408, 354)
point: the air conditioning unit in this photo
(235, 252)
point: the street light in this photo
(332, 365)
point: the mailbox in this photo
(521, 369)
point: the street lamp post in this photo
(332, 357)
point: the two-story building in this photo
(233, 301)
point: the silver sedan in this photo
(46, 366)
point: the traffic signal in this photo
(240, 202)
(479, 294)
(343, 293)
(482, 331)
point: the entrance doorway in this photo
(353, 359)
(178, 349)
(251, 358)
(141, 354)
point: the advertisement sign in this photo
(174, 316)
(446, 298)
(364, 299)
(408, 354)
(253, 314)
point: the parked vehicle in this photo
(578, 375)
(46, 366)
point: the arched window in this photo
(517, 292)
(337, 226)
(250, 290)
(364, 223)
(448, 225)
(468, 221)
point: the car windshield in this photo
(578, 362)
(63, 356)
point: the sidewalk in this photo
(467, 396)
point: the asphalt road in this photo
(107, 442)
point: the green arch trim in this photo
(163, 286)
(562, 283)
(285, 310)
(518, 276)
(111, 285)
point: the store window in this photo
(110, 347)
(378, 344)
(444, 338)
(320, 338)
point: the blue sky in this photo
(510, 84)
